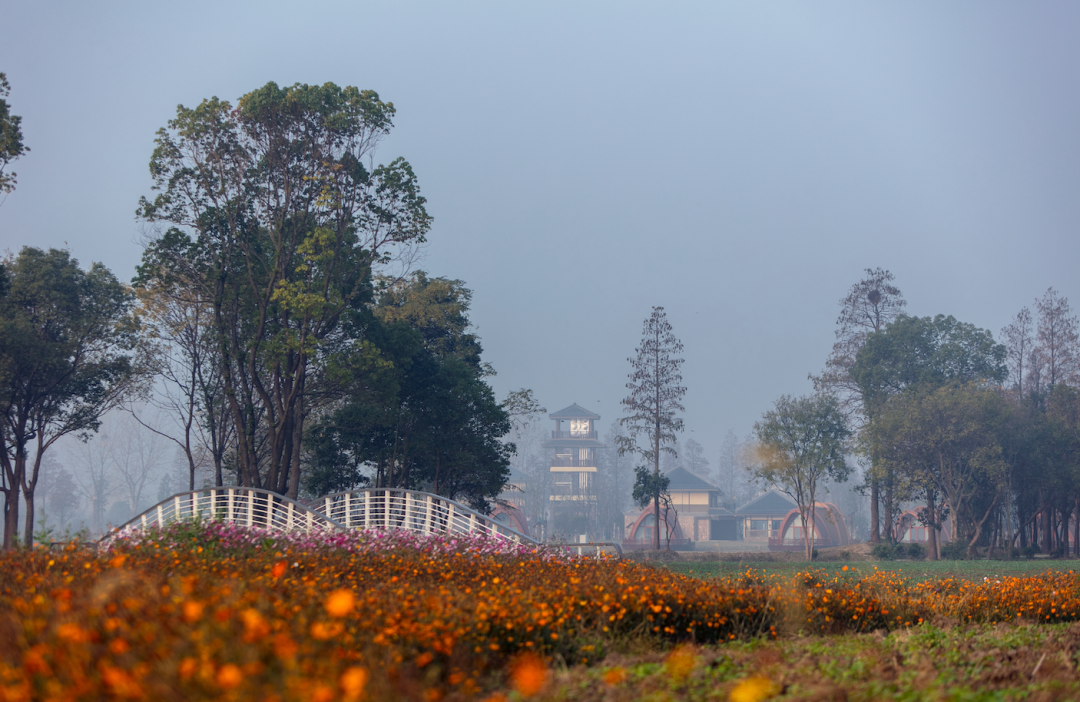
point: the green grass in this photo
(916, 570)
(983, 662)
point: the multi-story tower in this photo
(573, 469)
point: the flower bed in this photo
(198, 611)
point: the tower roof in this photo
(574, 411)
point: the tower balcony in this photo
(574, 434)
(568, 462)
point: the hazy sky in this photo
(737, 163)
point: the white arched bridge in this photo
(373, 508)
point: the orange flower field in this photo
(182, 614)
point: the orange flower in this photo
(255, 626)
(120, 682)
(192, 611)
(188, 666)
(615, 676)
(323, 631)
(680, 662)
(754, 689)
(340, 603)
(279, 569)
(229, 676)
(529, 674)
(352, 682)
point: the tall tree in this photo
(64, 337)
(282, 221)
(694, 458)
(1058, 341)
(1019, 343)
(869, 306)
(656, 391)
(179, 343)
(801, 445)
(419, 411)
(11, 138)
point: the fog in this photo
(739, 164)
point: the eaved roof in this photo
(772, 502)
(574, 411)
(682, 479)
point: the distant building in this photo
(573, 467)
(826, 524)
(762, 517)
(696, 515)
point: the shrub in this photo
(916, 551)
(883, 551)
(1030, 550)
(954, 550)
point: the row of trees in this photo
(967, 430)
(973, 431)
(264, 320)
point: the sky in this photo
(737, 163)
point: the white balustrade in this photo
(421, 512)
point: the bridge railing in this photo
(592, 548)
(424, 512)
(250, 507)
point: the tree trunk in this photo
(875, 533)
(1076, 526)
(1047, 524)
(932, 533)
(11, 515)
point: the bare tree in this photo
(179, 340)
(694, 458)
(871, 304)
(734, 478)
(615, 481)
(1057, 339)
(137, 454)
(95, 478)
(1019, 342)
(656, 392)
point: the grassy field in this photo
(915, 571)
(971, 663)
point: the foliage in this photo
(870, 305)
(278, 224)
(64, 337)
(11, 138)
(417, 411)
(655, 397)
(801, 444)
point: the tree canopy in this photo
(800, 445)
(65, 334)
(278, 220)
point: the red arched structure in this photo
(828, 523)
(642, 530)
(509, 514)
(910, 529)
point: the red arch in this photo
(640, 522)
(829, 525)
(513, 517)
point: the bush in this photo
(916, 551)
(954, 551)
(883, 551)
(1030, 550)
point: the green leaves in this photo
(11, 143)
(279, 227)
